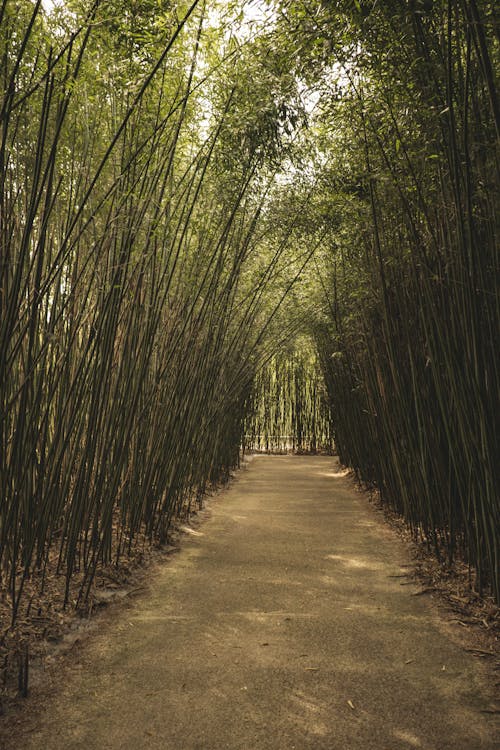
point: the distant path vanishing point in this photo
(283, 623)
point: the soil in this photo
(290, 617)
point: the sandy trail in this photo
(282, 624)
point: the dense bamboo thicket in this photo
(409, 339)
(287, 408)
(181, 191)
(130, 320)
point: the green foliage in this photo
(131, 322)
(287, 409)
(409, 331)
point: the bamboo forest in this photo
(243, 236)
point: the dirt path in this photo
(283, 624)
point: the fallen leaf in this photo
(479, 652)
(424, 591)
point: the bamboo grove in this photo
(409, 338)
(131, 320)
(288, 408)
(182, 206)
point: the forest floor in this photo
(289, 618)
